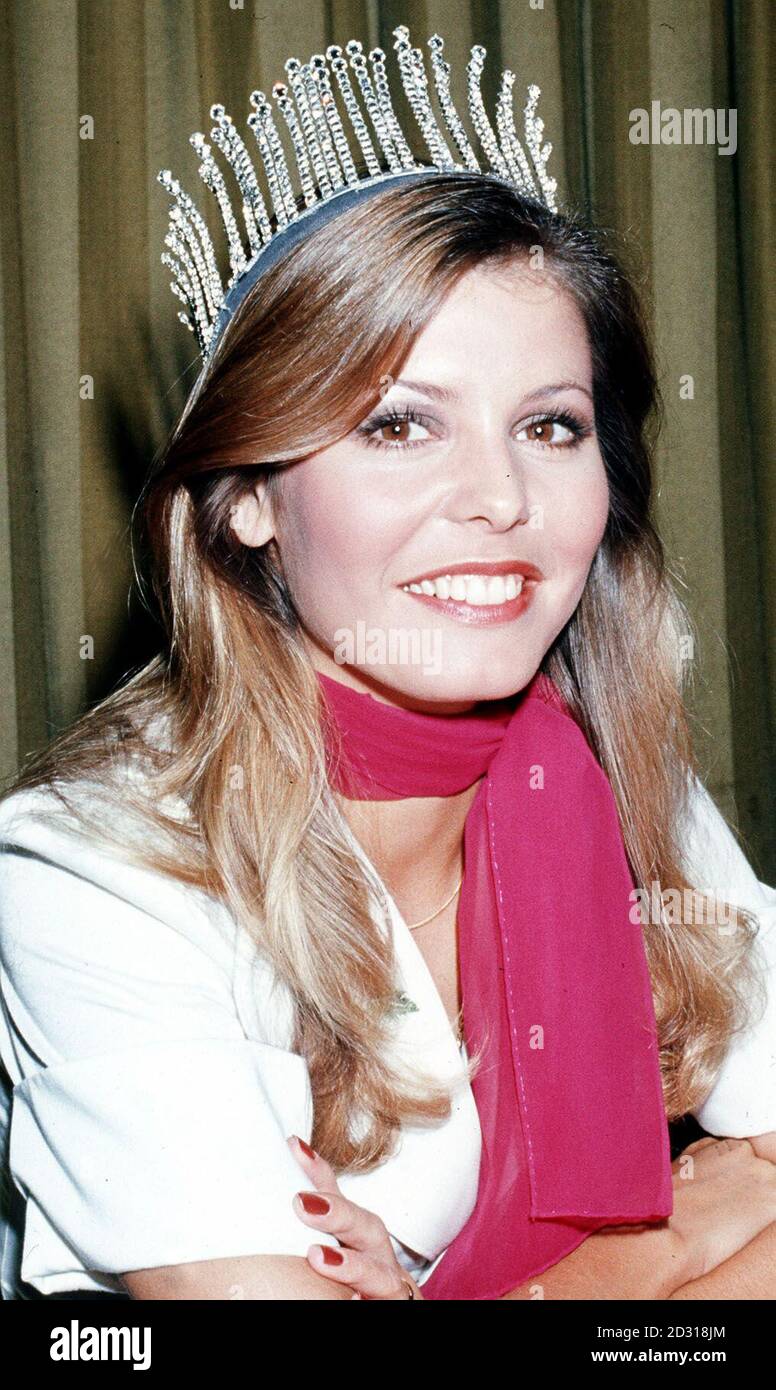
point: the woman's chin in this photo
(443, 692)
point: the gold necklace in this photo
(414, 925)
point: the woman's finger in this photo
(353, 1225)
(320, 1172)
(365, 1259)
(369, 1278)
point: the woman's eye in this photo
(551, 431)
(404, 429)
(399, 430)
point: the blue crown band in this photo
(289, 236)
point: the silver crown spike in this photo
(316, 95)
(211, 286)
(309, 131)
(184, 215)
(441, 71)
(534, 128)
(510, 144)
(182, 284)
(483, 126)
(226, 136)
(358, 63)
(331, 125)
(340, 70)
(413, 76)
(271, 150)
(184, 318)
(188, 290)
(210, 174)
(288, 112)
(329, 107)
(187, 272)
(377, 59)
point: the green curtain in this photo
(95, 365)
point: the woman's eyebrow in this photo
(448, 393)
(427, 388)
(556, 388)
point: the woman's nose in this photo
(493, 486)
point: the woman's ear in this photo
(252, 518)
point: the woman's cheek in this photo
(580, 520)
(573, 544)
(347, 536)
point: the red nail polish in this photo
(306, 1147)
(314, 1204)
(331, 1256)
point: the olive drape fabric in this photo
(97, 95)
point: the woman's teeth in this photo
(474, 589)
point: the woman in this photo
(211, 876)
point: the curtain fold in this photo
(100, 94)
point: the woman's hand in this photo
(726, 1198)
(367, 1261)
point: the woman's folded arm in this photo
(719, 1236)
(147, 1130)
(647, 1262)
(749, 1274)
(266, 1277)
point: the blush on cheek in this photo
(574, 543)
(584, 522)
(575, 551)
(335, 527)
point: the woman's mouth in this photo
(476, 599)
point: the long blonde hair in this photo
(225, 723)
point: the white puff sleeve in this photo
(743, 1100)
(145, 1127)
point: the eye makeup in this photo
(395, 418)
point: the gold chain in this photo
(414, 925)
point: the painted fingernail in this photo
(331, 1256)
(314, 1204)
(306, 1148)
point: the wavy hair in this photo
(224, 725)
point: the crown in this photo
(326, 142)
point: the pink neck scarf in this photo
(554, 976)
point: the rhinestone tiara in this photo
(326, 145)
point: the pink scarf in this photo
(553, 974)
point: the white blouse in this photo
(151, 1082)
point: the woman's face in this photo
(480, 460)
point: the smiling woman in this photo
(257, 894)
(499, 472)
